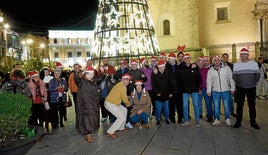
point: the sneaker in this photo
(262, 97)
(167, 122)
(233, 114)
(216, 123)
(158, 123)
(228, 122)
(185, 123)
(197, 124)
(237, 125)
(103, 119)
(128, 125)
(255, 126)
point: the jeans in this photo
(186, 97)
(159, 106)
(217, 96)
(138, 118)
(200, 100)
(231, 103)
(208, 102)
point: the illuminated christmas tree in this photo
(124, 29)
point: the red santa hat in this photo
(126, 76)
(154, 58)
(90, 70)
(32, 74)
(138, 82)
(205, 58)
(201, 58)
(244, 50)
(172, 56)
(186, 55)
(133, 61)
(142, 60)
(162, 54)
(58, 64)
(161, 63)
(124, 62)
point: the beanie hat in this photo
(187, 55)
(244, 50)
(161, 63)
(172, 56)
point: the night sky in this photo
(37, 17)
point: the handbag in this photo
(69, 101)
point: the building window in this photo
(88, 54)
(55, 40)
(166, 24)
(222, 14)
(56, 55)
(79, 54)
(70, 54)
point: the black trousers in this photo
(38, 115)
(251, 99)
(176, 104)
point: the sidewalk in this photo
(164, 140)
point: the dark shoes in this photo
(158, 123)
(167, 122)
(209, 119)
(233, 114)
(237, 125)
(255, 126)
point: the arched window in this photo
(166, 26)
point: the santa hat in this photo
(124, 62)
(161, 63)
(89, 69)
(133, 61)
(138, 82)
(162, 54)
(32, 74)
(244, 50)
(216, 58)
(154, 58)
(186, 55)
(142, 60)
(201, 58)
(172, 56)
(58, 64)
(205, 58)
(126, 76)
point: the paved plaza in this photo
(164, 140)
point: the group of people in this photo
(47, 92)
(161, 87)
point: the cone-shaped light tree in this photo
(124, 29)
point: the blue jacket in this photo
(54, 94)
